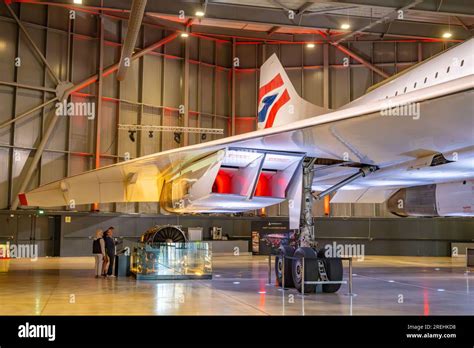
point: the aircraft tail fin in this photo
(278, 101)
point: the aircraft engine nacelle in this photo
(448, 199)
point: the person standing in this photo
(98, 249)
(110, 250)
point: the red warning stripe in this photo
(276, 82)
(274, 110)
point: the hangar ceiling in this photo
(421, 18)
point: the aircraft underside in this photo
(248, 176)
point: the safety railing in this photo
(303, 281)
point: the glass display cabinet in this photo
(170, 261)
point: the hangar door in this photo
(28, 229)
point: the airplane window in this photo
(436, 76)
(462, 62)
(447, 70)
(405, 90)
(396, 93)
(414, 86)
(426, 79)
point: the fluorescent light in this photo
(447, 35)
(310, 45)
(184, 35)
(391, 281)
(78, 2)
(236, 283)
(440, 290)
(345, 26)
(262, 292)
(199, 14)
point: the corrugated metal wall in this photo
(55, 235)
(153, 92)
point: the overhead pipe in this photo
(134, 24)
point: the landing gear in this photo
(286, 251)
(334, 272)
(316, 267)
(310, 270)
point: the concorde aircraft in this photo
(408, 140)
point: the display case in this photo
(161, 261)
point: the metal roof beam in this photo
(275, 17)
(451, 7)
(388, 18)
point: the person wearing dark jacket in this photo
(98, 249)
(110, 249)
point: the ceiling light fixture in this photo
(447, 34)
(310, 45)
(184, 35)
(199, 13)
(78, 2)
(345, 25)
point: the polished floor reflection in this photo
(384, 286)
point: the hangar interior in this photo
(196, 73)
(201, 70)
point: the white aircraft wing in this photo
(262, 168)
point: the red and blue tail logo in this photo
(271, 97)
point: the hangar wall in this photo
(380, 236)
(153, 92)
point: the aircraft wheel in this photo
(334, 271)
(287, 251)
(310, 269)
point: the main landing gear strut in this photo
(321, 272)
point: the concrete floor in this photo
(384, 286)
